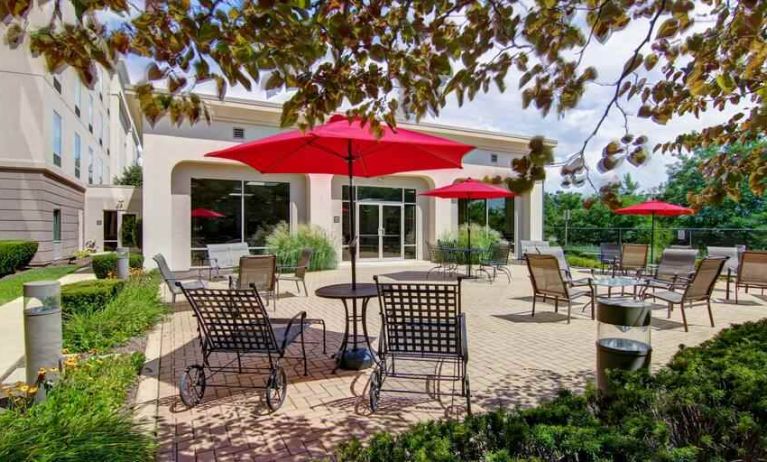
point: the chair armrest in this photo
(300, 315)
(464, 336)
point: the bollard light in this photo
(122, 263)
(42, 328)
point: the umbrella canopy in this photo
(655, 207)
(344, 147)
(328, 148)
(206, 213)
(469, 189)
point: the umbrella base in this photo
(355, 359)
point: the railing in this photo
(588, 239)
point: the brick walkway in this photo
(516, 360)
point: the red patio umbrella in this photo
(206, 213)
(344, 147)
(469, 189)
(655, 207)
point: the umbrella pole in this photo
(468, 231)
(352, 218)
(652, 241)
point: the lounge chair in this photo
(632, 260)
(549, 281)
(733, 261)
(497, 260)
(699, 289)
(609, 254)
(752, 272)
(259, 271)
(421, 322)
(172, 282)
(297, 273)
(676, 267)
(225, 256)
(234, 321)
(526, 247)
(559, 253)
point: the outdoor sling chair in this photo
(733, 261)
(260, 270)
(633, 258)
(676, 267)
(497, 260)
(752, 271)
(526, 247)
(298, 271)
(225, 256)
(234, 322)
(609, 254)
(171, 281)
(421, 322)
(564, 266)
(698, 289)
(549, 281)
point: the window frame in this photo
(57, 135)
(56, 225)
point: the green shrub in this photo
(136, 309)
(83, 418)
(15, 255)
(288, 245)
(89, 296)
(583, 262)
(709, 403)
(105, 264)
(482, 237)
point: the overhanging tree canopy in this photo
(377, 58)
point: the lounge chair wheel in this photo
(375, 391)
(276, 388)
(191, 385)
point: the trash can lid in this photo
(625, 311)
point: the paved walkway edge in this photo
(149, 384)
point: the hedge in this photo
(709, 403)
(89, 296)
(105, 264)
(15, 255)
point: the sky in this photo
(502, 112)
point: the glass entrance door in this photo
(380, 231)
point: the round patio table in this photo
(615, 282)
(359, 356)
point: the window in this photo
(250, 210)
(238, 133)
(56, 139)
(57, 85)
(494, 158)
(498, 214)
(90, 165)
(77, 154)
(56, 225)
(78, 95)
(90, 113)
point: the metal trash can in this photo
(623, 336)
(123, 271)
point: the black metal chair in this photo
(421, 322)
(235, 321)
(497, 260)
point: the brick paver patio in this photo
(515, 360)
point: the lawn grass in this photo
(11, 287)
(135, 310)
(84, 418)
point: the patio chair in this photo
(676, 267)
(559, 253)
(171, 281)
(733, 261)
(258, 270)
(752, 271)
(224, 256)
(298, 271)
(609, 254)
(436, 257)
(526, 247)
(549, 281)
(235, 322)
(698, 289)
(421, 323)
(633, 259)
(497, 260)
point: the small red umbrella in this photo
(206, 213)
(344, 147)
(655, 207)
(469, 189)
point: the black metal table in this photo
(359, 356)
(466, 255)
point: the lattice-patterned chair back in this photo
(232, 320)
(421, 319)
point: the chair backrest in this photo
(702, 284)
(232, 320)
(499, 252)
(304, 260)
(634, 256)
(676, 262)
(558, 253)
(753, 268)
(421, 318)
(526, 247)
(258, 270)
(435, 256)
(546, 275)
(609, 252)
(167, 274)
(227, 255)
(732, 254)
